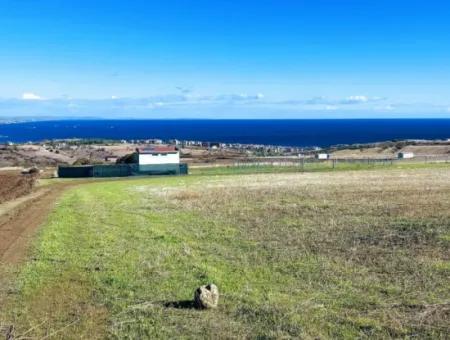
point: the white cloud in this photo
(30, 96)
(317, 101)
(181, 105)
(331, 107)
(356, 99)
(237, 97)
(388, 107)
(320, 101)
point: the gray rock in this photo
(206, 297)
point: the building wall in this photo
(322, 156)
(163, 158)
(406, 155)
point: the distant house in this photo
(405, 155)
(154, 141)
(322, 156)
(174, 141)
(111, 159)
(214, 145)
(158, 155)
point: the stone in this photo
(206, 297)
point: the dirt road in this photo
(21, 218)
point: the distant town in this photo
(52, 153)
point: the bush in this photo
(33, 171)
(127, 159)
(82, 161)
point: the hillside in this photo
(315, 255)
(387, 151)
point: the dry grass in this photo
(391, 229)
(313, 255)
(14, 185)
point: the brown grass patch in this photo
(186, 195)
(14, 185)
(58, 309)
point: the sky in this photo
(225, 59)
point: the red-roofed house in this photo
(158, 155)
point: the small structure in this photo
(405, 155)
(111, 159)
(322, 156)
(158, 160)
(158, 155)
(214, 145)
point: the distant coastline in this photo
(295, 133)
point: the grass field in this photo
(314, 255)
(323, 166)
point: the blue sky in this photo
(225, 59)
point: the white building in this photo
(322, 156)
(158, 155)
(405, 155)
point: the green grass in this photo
(311, 167)
(327, 255)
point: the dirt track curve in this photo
(21, 218)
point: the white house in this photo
(405, 155)
(322, 156)
(158, 155)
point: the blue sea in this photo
(323, 132)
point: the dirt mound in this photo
(13, 185)
(18, 225)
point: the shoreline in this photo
(301, 134)
(220, 144)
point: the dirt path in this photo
(20, 219)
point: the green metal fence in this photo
(118, 170)
(75, 171)
(121, 170)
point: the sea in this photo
(300, 133)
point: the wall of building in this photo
(406, 155)
(322, 156)
(164, 158)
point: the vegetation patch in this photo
(14, 185)
(315, 255)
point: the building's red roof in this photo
(158, 149)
